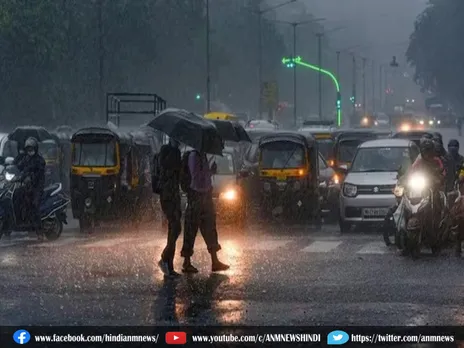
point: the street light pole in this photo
(260, 52)
(294, 74)
(338, 65)
(319, 63)
(364, 84)
(101, 92)
(354, 86)
(208, 67)
(380, 88)
(260, 65)
(373, 86)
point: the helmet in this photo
(426, 145)
(453, 143)
(437, 138)
(31, 142)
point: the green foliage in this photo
(50, 54)
(436, 49)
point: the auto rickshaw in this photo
(325, 141)
(288, 173)
(109, 177)
(345, 146)
(221, 116)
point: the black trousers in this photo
(32, 208)
(170, 204)
(200, 213)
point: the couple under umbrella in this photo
(204, 137)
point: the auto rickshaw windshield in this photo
(94, 154)
(325, 147)
(282, 154)
(347, 150)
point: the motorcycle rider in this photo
(32, 167)
(446, 160)
(456, 159)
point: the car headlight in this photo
(430, 122)
(438, 122)
(350, 190)
(88, 202)
(417, 182)
(376, 123)
(398, 191)
(365, 120)
(9, 176)
(421, 121)
(229, 195)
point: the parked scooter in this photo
(12, 217)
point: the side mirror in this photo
(9, 161)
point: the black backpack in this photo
(185, 176)
(156, 175)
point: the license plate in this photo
(375, 211)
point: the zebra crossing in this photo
(372, 245)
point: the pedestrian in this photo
(200, 212)
(169, 162)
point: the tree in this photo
(436, 52)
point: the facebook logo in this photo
(21, 337)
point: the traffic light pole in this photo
(319, 62)
(354, 87)
(380, 88)
(294, 74)
(373, 87)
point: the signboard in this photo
(270, 94)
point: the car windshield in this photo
(225, 164)
(281, 154)
(381, 159)
(99, 154)
(347, 150)
(325, 147)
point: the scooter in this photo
(423, 227)
(12, 217)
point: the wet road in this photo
(279, 275)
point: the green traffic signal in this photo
(198, 97)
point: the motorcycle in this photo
(13, 217)
(424, 224)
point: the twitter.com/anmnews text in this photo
(393, 338)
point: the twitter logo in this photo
(337, 337)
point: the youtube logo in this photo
(176, 337)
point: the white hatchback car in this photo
(367, 192)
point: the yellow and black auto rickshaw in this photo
(288, 170)
(345, 145)
(109, 176)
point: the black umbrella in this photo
(231, 131)
(21, 134)
(190, 129)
